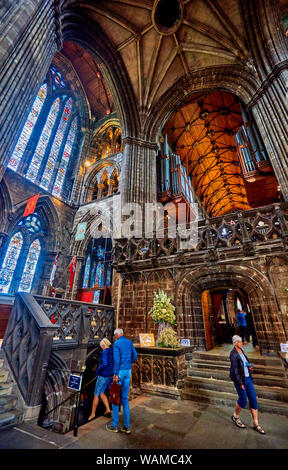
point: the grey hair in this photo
(119, 332)
(236, 338)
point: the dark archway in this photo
(266, 316)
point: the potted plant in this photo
(163, 314)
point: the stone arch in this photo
(234, 79)
(56, 381)
(266, 315)
(5, 205)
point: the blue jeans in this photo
(102, 384)
(124, 379)
(249, 392)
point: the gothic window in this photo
(10, 262)
(44, 151)
(18, 267)
(86, 272)
(30, 267)
(97, 275)
(28, 128)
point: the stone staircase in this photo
(10, 413)
(208, 381)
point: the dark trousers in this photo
(244, 333)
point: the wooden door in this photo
(207, 310)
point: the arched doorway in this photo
(262, 301)
(220, 307)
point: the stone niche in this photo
(160, 371)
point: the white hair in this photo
(119, 332)
(236, 338)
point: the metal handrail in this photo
(75, 426)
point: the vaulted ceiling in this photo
(162, 40)
(203, 132)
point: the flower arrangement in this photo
(163, 310)
(168, 339)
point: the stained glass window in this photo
(32, 222)
(43, 142)
(99, 280)
(93, 274)
(55, 149)
(30, 267)
(28, 128)
(65, 159)
(57, 77)
(10, 262)
(96, 297)
(86, 272)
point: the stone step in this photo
(259, 379)
(270, 392)
(221, 365)
(262, 360)
(4, 374)
(7, 402)
(6, 388)
(228, 399)
(10, 418)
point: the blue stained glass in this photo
(43, 142)
(96, 297)
(65, 159)
(86, 272)
(57, 142)
(27, 129)
(93, 274)
(108, 275)
(32, 223)
(10, 262)
(30, 267)
(57, 77)
(99, 280)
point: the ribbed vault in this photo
(203, 132)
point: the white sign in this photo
(284, 347)
(185, 342)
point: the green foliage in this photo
(168, 339)
(163, 310)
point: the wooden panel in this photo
(4, 317)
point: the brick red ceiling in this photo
(96, 89)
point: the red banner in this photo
(72, 268)
(31, 204)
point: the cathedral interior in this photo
(174, 103)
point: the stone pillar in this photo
(138, 183)
(101, 188)
(28, 42)
(111, 185)
(270, 111)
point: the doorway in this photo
(219, 308)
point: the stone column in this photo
(29, 37)
(101, 188)
(270, 110)
(138, 183)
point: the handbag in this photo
(115, 394)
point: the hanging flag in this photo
(53, 270)
(31, 204)
(72, 268)
(81, 229)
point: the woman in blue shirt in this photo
(104, 373)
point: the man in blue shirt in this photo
(124, 354)
(241, 319)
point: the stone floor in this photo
(159, 423)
